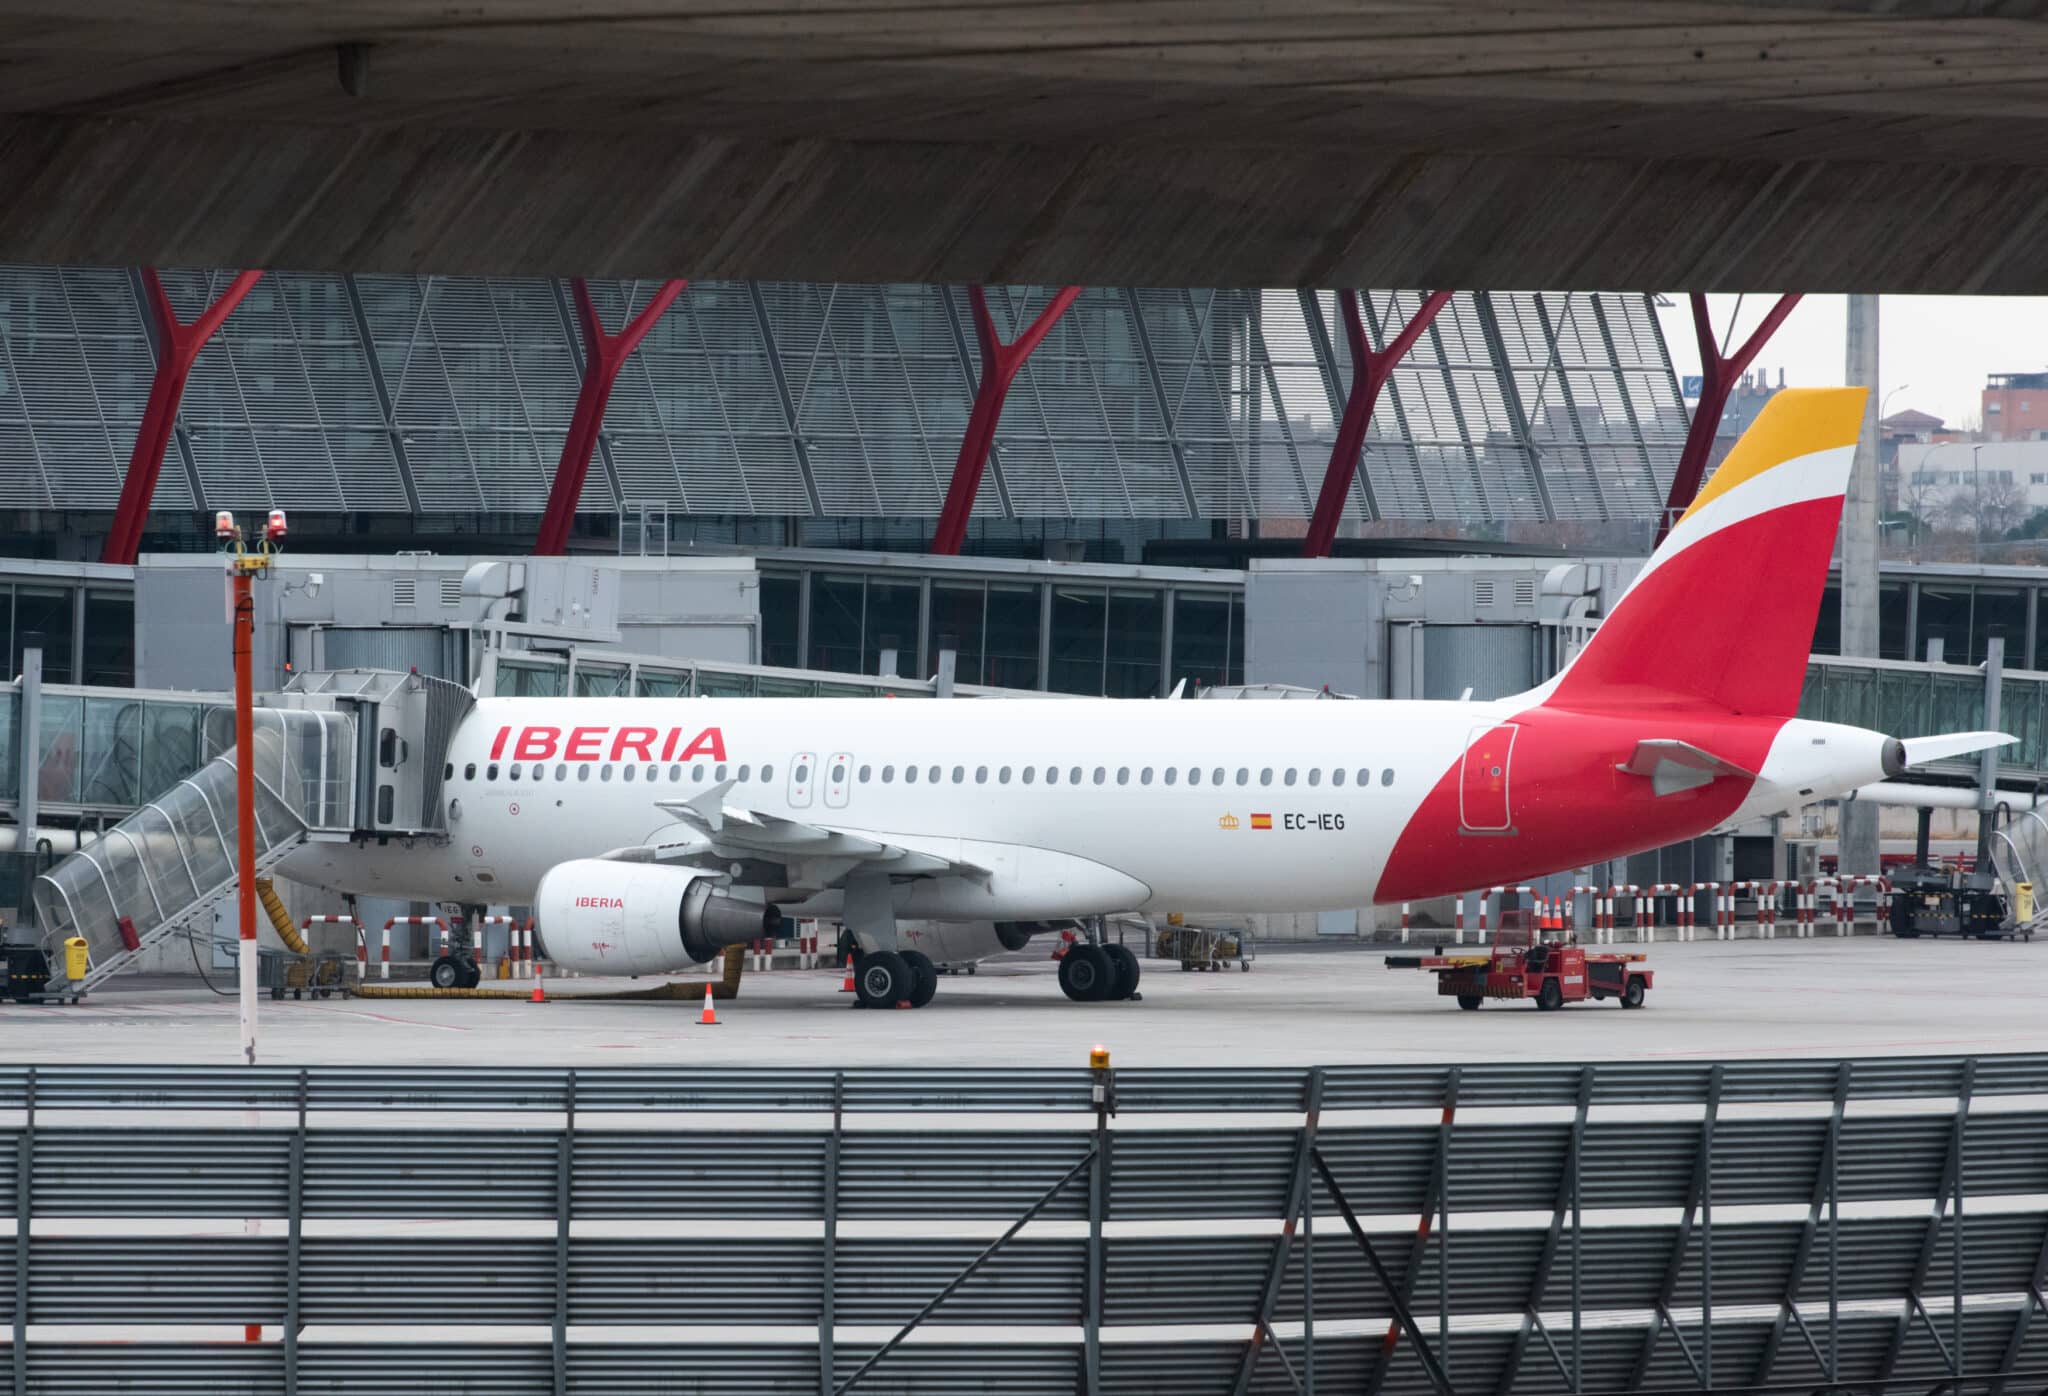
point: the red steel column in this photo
(1718, 376)
(999, 365)
(604, 355)
(1370, 371)
(178, 348)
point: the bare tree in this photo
(1989, 508)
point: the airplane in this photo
(649, 833)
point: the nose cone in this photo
(1893, 757)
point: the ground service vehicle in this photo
(1523, 964)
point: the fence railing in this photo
(1520, 1226)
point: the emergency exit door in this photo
(1483, 786)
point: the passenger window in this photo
(1315, 775)
(720, 773)
(838, 772)
(1216, 776)
(1002, 776)
(1123, 775)
(888, 774)
(865, 772)
(1052, 775)
(606, 773)
(767, 774)
(626, 771)
(1337, 776)
(1145, 776)
(492, 773)
(1074, 776)
(743, 774)
(1194, 775)
(675, 773)
(1387, 776)
(449, 774)
(561, 772)
(469, 771)
(910, 775)
(515, 771)
(1172, 774)
(1027, 774)
(1101, 774)
(1266, 775)
(1365, 775)
(653, 773)
(1244, 775)
(933, 775)
(583, 773)
(959, 774)
(1288, 779)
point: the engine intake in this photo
(597, 916)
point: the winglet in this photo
(707, 807)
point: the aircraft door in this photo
(1483, 784)
(803, 773)
(838, 777)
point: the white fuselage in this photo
(1077, 806)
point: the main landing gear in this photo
(894, 978)
(1093, 973)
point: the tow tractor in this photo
(1527, 963)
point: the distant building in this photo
(2016, 407)
(1744, 403)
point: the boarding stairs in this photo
(327, 761)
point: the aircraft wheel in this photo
(1086, 975)
(1124, 971)
(1470, 1002)
(847, 946)
(472, 974)
(924, 977)
(1632, 996)
(881, 980)
(446, 973)
(1550, 996)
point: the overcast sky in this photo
(1935, 350)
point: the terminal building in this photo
(760, 504)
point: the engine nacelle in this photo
(597, 916)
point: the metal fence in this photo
(1485, 1228)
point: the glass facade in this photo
(1124, 633)
(394, 397)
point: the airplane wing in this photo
(1673, 765)
(812, 855)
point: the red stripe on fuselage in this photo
(1710, 648)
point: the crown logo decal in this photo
(1228, 821)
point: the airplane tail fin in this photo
(1722, 615)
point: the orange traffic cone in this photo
(537, 996)
(710, 1018)
(847, 986)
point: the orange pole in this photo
(245, 805)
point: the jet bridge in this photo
(338, 757)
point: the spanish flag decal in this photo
(1262, 821)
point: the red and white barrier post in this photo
(362, 938)
(413, 921)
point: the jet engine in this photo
(598, 916)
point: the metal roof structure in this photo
(385, 394)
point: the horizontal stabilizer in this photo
(1921, 750)
(1673, 765)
